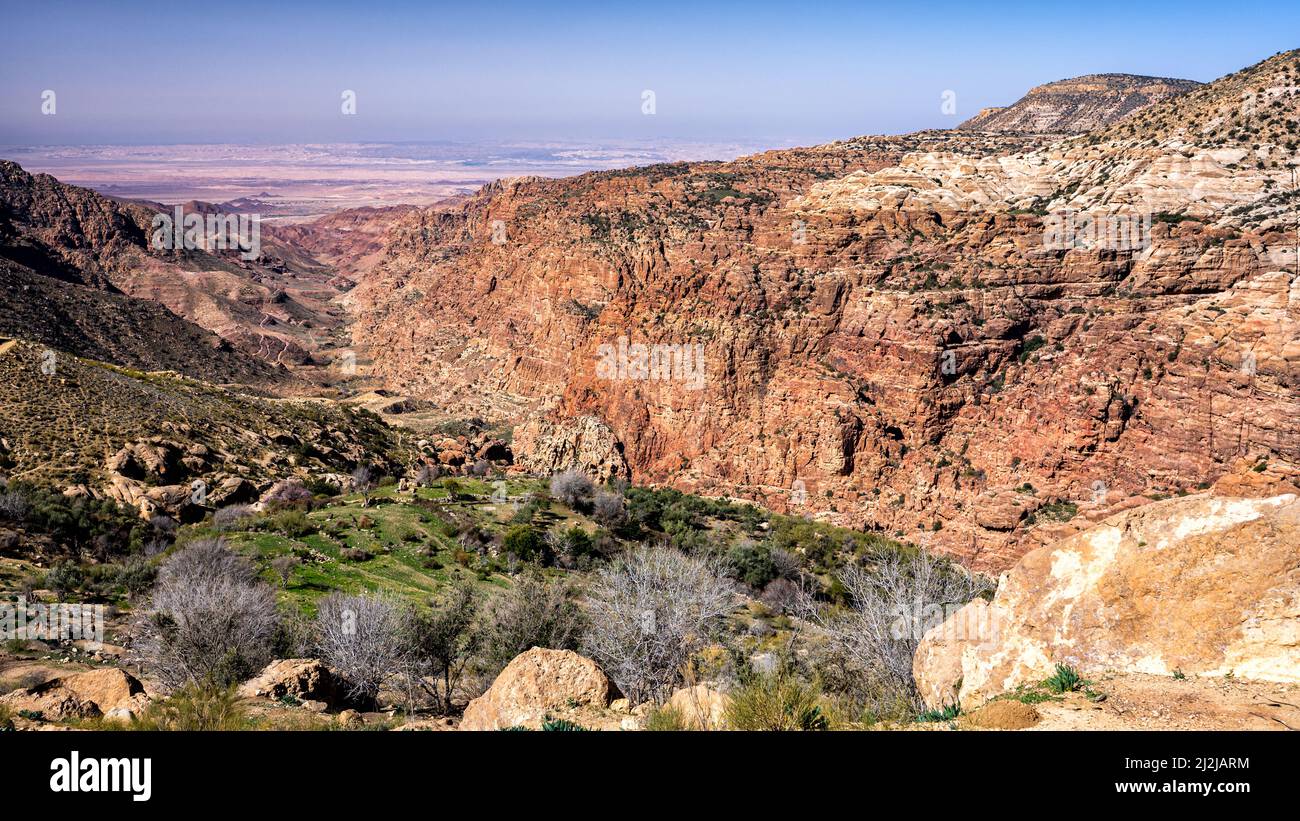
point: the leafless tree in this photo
(364, 638)
(208, 618)
(284, 567)
(891, 605)
(363, 483)
(608, 509)
(571, 487)
(532, 613)
(444, 641)
(649, 612)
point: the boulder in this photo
(1204, 584)
(233, 490)
(303, 679)
(535, 683)
(107, 687)
(104, 691)
(701, 707)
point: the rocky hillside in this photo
(890, 336)
(277, 308)
(145, 439)
(1079, 104)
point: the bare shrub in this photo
(532, 613)
(232, 517)
(480, 468)
(427, 475)
(208, 619)
(363, 482)
(649, 612)
(571, 487)
(13, 505)
(608, 509)
(782, 595)
(364, 639)
(891, 605)
(287, 492)
(284, 567)
(786, 564)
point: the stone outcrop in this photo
(700, 706)
(106, 691)
(548, 447)
(535, 684)
(307, 680)
(1205, 585)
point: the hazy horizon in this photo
(433, 73)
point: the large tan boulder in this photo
(700, 707)
(535, 683)
(108, 687)
(302, 679)
(1206, 585)
(104, 691)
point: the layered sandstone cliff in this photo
(945, 335)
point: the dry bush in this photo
(890, 606)
(648, 612)
(232, 517)
(609, 510)
(571, 487)
(208, 619)
(364, 638)
(532, 613)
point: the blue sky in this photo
(274, 72)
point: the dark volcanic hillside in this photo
(1079, 104)
(889, 338)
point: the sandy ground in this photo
(1142, 702)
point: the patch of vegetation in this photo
(1065, 679)
(948, 712)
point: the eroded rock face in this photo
(1080, 103)
(1207, 585)
(890, 336)
(536, 683)
(548, 447)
